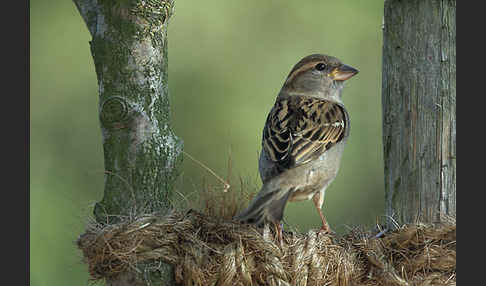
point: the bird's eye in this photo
(320, 66)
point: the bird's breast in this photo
(308, 178)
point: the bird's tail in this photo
(267, 206)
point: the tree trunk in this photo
(419, 109)
(141, 153)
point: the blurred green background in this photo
(227, 61)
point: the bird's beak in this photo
(343, 72)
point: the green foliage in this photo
(227, 61)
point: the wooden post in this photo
(419, 109)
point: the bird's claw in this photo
(325, 229)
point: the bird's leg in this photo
(278, 231)
(325, 226)
(318, 199)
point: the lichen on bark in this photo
(129, 49)
(141, 152)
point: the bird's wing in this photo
(299, 129)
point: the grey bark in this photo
(419, 109)
(141, 152)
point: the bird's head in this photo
(317, 75)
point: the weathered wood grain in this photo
(419, 109)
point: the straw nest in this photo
(205, 250)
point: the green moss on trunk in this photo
(141, 152)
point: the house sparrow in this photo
(303, 140)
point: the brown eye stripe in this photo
(312, 60)
(300, 70)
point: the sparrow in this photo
(303, 139)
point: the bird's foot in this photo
(325, 229)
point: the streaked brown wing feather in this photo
(299, 129)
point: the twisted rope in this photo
(207, 251)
